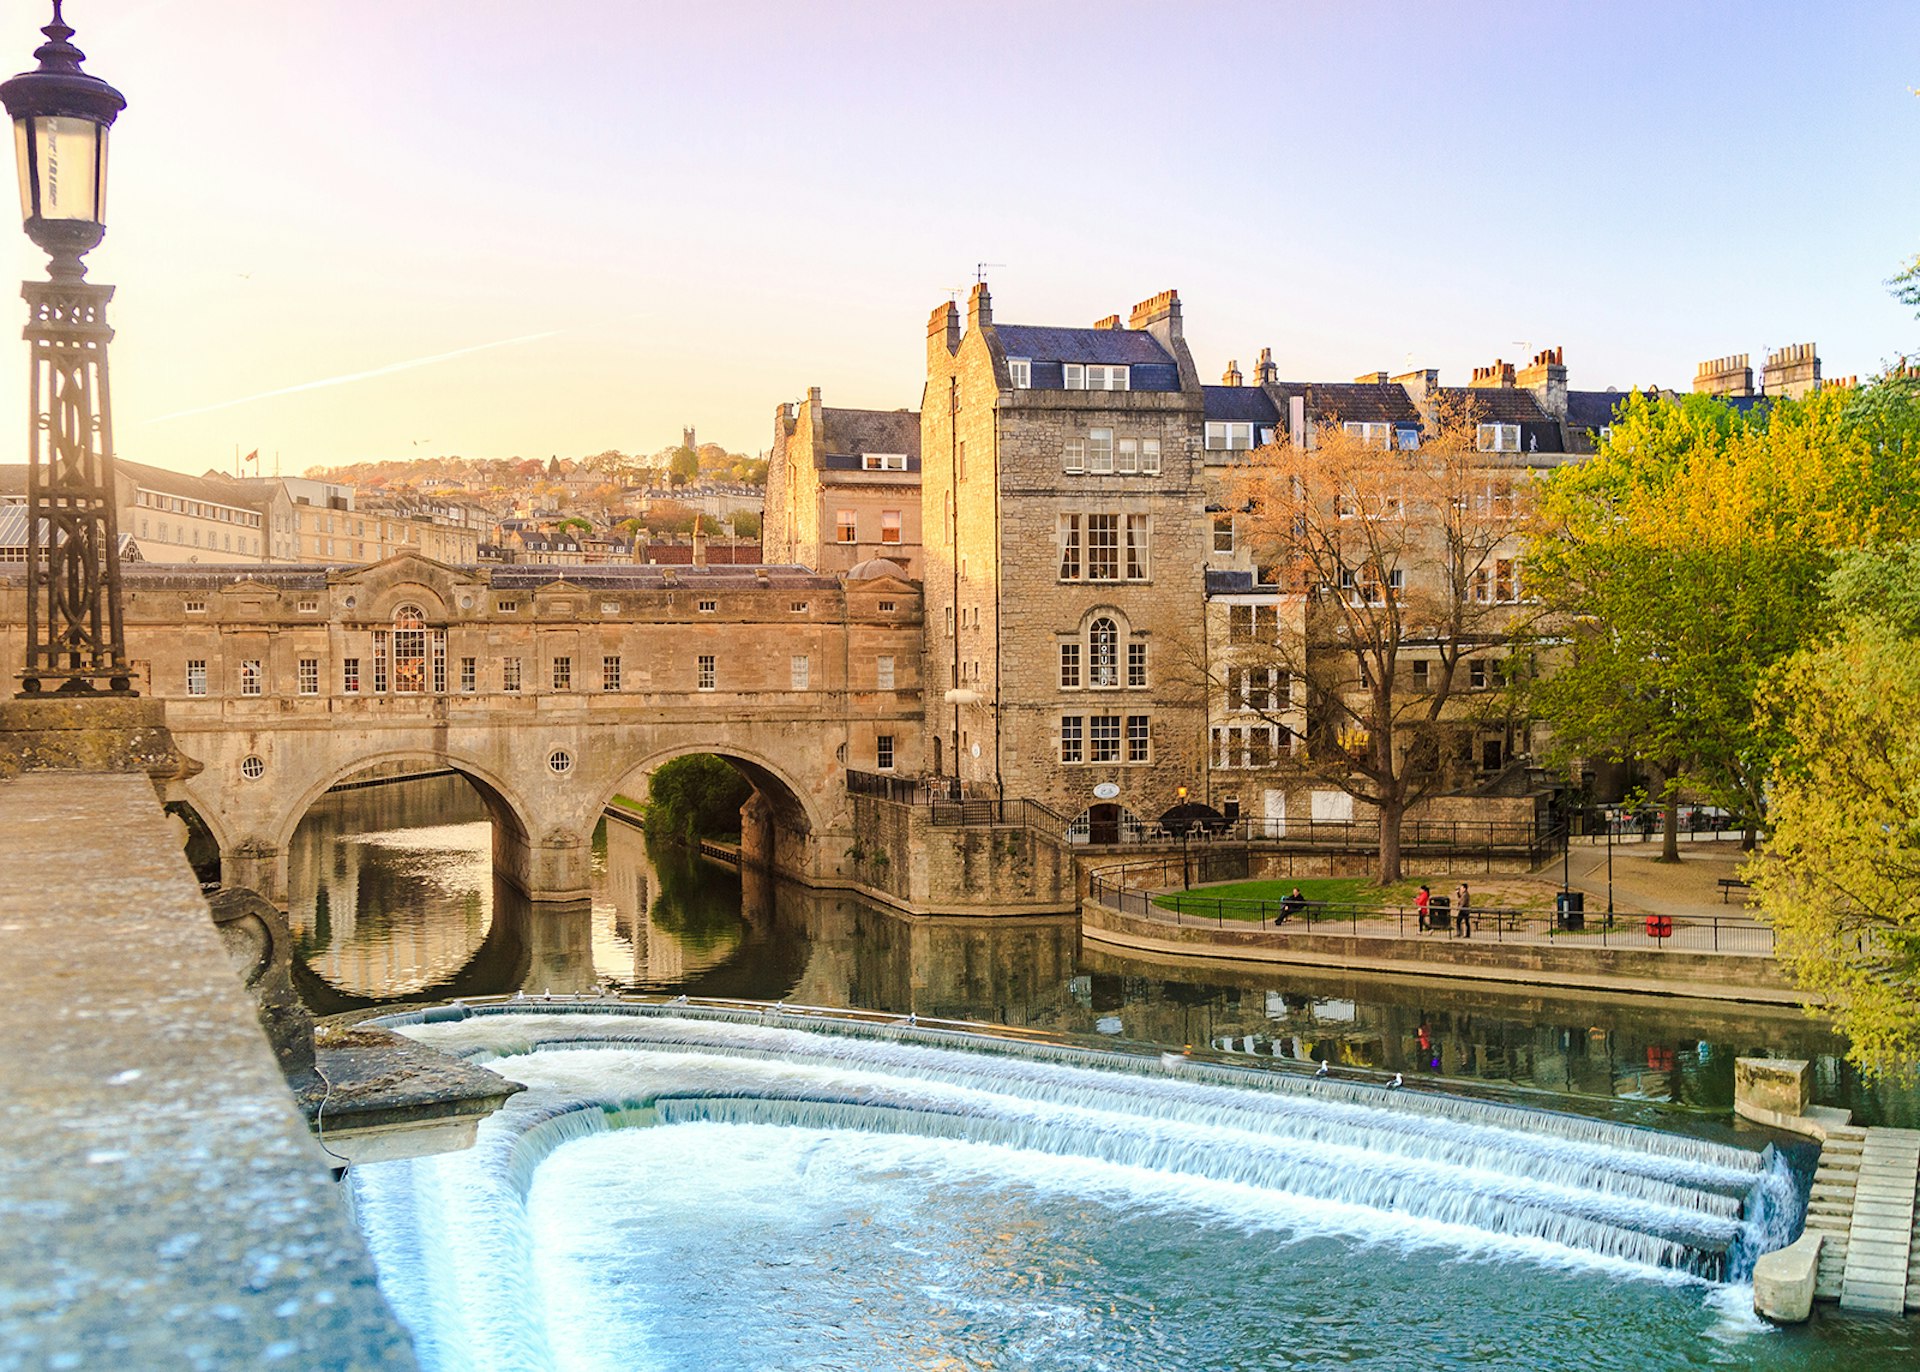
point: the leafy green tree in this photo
(696, 795)
(684, 466)
(1840, 882)
(1684, 562)
(746, 524)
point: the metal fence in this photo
(948, 805)
(1148, 890)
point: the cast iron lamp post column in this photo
(75, 640)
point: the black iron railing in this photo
(1157, 889)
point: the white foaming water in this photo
(544, 1215)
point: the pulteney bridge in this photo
(551, 689)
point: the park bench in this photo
(1728, 885)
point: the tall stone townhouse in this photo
(1095, 608)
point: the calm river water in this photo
(797, 1240)
(393, 900)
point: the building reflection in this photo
(393, 900)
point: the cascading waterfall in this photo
(1351, 1158)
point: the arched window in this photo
(411, 658)
(409, 650)
(1103, 653)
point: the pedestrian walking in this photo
(1462, 912)
(1421, 901)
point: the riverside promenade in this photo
(1672, 933)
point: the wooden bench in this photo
(1728, 885)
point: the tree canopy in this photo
(1840, 881)
(1390, 554)
(696, 795)
(1688, 559)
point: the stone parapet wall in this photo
(977, 869)
(163, 1201)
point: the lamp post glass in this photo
(63, 168)
(60, 120)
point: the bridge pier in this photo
(254, 864)
(558, 866)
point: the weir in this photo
(1332, 1156)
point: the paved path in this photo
(1689, 887)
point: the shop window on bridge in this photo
(610, 673)
(350, 676)
(309, 676)
(510, 674)
(883, 752)
(469, 674)
(563, 674)
(251, 677)
(196, 676)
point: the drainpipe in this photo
(953, 639)
(999, 550)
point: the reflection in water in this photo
(393, 900)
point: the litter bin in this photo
(1439, 913)
(1570, 909)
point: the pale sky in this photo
(685, 213)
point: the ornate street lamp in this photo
(60, 120)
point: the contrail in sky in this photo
(355, 376)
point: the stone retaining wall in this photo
(1721, 976)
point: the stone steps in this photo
(1880, 1257)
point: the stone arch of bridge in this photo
(794, 813)
(516, 850)
(504, 804)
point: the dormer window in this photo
(1085, 377)
(1020, 370)
(1406, 438)
(1229, 437)
(1373, 435)
(1499, 438)
(884, 462)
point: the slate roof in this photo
(1497, 404)
(285, 576)
(856, 432)
(1240, 404)
(1362, 402)
(615, 576)
(1044, 343)
(1590, 410)
(212, 487)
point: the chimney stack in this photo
(1370, 379)
(943, 330)
(1232, 376)
(1498, 376)
(699, 544)
(979, 306)
(1418, 383)
(1159, 316)
(1112, 321)
(1265, 373)
(1546, 377)
(1792, 371)
(1728, 375)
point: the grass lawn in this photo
(1342, 891)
